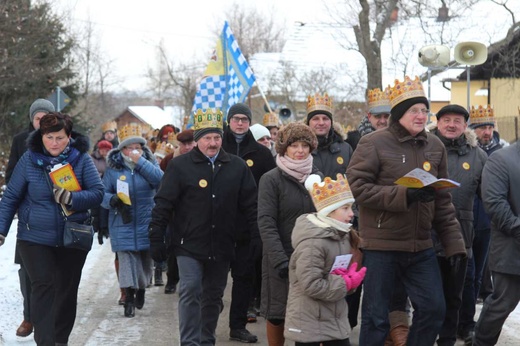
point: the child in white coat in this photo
(321, 270)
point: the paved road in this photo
(100, 320)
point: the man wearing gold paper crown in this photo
(395, 222)
(501, 196)
(376, 118)
(109, 133)
(333, 153)
(272, 123)
(465, 163)
(482, 121)
(246, 268)
(206, 189)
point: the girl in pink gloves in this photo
(323, 267)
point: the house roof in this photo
(155, 116)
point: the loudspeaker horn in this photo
(284, 112)
(434, 56)
(470, 53)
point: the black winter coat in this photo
(333, 157)
(200, 201)
(18, 148)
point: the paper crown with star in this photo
(319, 103)
(328, 195)
(271, 120)
(405, 90)
(482, 116)
(379, 101)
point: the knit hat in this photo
(404, 95)
(40, 105)
(239, 108)
(207, 121)
(259, 131)
(481, 116)
(104, 144)
(329, 195)
(185, 136)
(294, 132)
(318, 104)
(130, 134)
(453, 109)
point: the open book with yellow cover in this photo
(418, 178)
(63, 176)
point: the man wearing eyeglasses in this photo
(246, 268)
(395, 221)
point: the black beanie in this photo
(239, 108)
(453, 109)
(318, 111)
(399, 109)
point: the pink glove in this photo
(352, 277)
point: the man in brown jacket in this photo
(395, 221)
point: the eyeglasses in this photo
(243, 120)
(416, 111)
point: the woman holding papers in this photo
(323, 267)
(131, 180)
(54, 271)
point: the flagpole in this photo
(263, 96)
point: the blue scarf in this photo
(47, 161)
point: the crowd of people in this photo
(305, 220)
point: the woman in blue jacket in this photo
(54, 270)
(132, 171)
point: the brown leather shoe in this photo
(399, 335)
(25, 329)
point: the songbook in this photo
(64, 177)
(419, 178)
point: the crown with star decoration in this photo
(318, 102)
(130, 130)
(405, 90)
(209, 118)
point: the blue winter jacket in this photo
(143, 182)
(29, 192)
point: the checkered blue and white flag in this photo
(228, 77)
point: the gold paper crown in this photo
(130, 130)
(164, 149)
(172, 138)
(481, 115)
(377, 98)
(330, 192)
(318, 102)
(405, 90)
(271, 120)
(209, 118)
(109, 126)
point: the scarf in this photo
(128, 161)
(340, 226)
(298, 169)
(365, 127)
(47, 161)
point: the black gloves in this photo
(158, 249)
(283, 270)
(102, 232)
(123, 209)
(425, 195)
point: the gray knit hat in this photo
(239, 108)
(40, 105)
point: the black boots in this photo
(139, 298)
(129, 302)
(158, 275)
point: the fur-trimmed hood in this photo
(35, 143)
(116, 161)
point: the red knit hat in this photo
(104, 144)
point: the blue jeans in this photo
(201, 288)
(420, 275)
